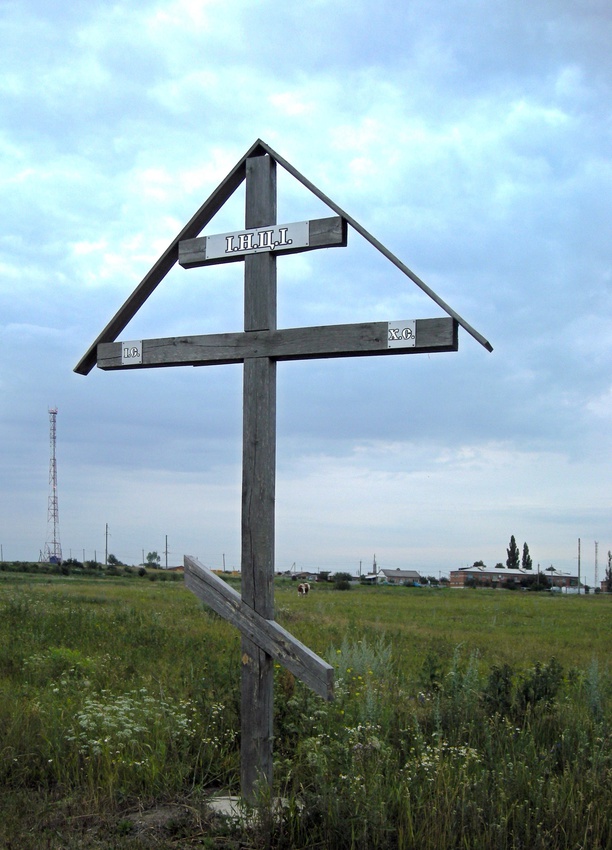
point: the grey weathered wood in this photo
(365, 338)
(265, 633)
(322, 233)
(162, 266)
(258, 482)
(259, 347)
(201, 218)
(328, 232)
(378, 245)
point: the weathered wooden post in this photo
(258, 479)
(259, 347)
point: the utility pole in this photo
(578, 566)
(596, 577)
(166, 551)
(106, 547)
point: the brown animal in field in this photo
(303, 588)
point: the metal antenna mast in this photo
(53, 547)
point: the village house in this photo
(483, 576)
(406, 577)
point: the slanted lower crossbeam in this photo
(267, 634)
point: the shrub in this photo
(541, 683)
(497, 694)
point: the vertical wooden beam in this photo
(258, 483)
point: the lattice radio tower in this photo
(53, 547)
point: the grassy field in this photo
(462, 719)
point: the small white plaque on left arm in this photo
(131, 352)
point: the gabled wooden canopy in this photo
(198, 222)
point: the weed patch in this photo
(119, 714)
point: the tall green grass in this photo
(514, 757)
(462, 719)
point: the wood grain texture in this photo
(267, 634)
(258, 484)
(329, 232)
(357, 340)
(204, 215)
(378, 245)
(162, 266)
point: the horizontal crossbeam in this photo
(266, 634)
(356, 340)
(232, 247)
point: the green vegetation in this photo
(461, 719)
(526, 561)
(512, 561)
(90, 569)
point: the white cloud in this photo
(472, 140)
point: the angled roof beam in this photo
(170, 256)
(373, 241)
(199, 221)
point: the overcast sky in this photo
(471, 138)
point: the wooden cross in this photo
(259, 347)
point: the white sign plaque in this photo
(131, 352)
(280, 237)
(401, 334)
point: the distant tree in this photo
(499, 566)
(72, 562)
(526, 562)
(543, 581)
(609, 574)
(153, 559)
(513, 559)
(433, 581)
(342, 577)
(538, 581)
(113, 561)
(479, 564)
